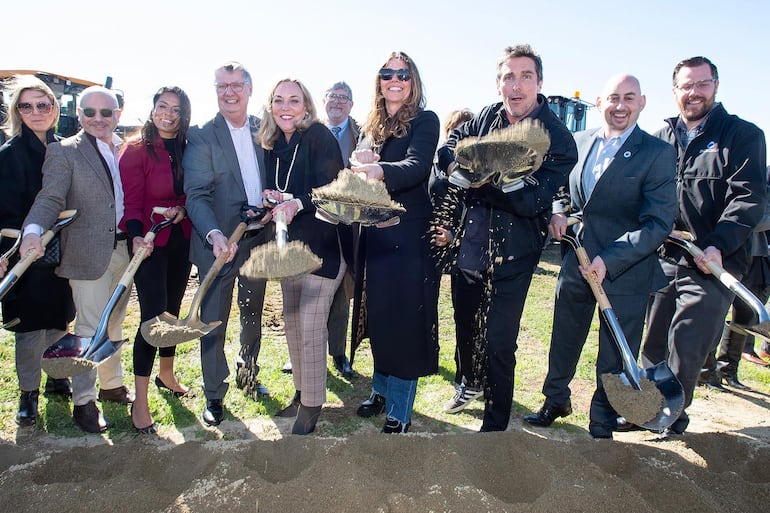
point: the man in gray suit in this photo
(224, 173)
(81, 173)
(624, 185)
(338, 101)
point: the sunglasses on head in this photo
(403, 74)
(41, 107)
(90, 112)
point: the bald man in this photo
(624, 185)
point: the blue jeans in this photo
(398, 393)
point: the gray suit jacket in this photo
(74, 176)
(348, 144)
(630, 211)
(213, 184)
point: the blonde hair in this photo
(13, 88)
(455, 119)
(378, 125)
(269, 131)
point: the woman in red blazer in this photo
(152, 176)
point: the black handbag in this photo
(52, 255)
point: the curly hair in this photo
(269, 131)
(379, 126)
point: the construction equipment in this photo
(66, 89)
(572, 111)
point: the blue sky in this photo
(145, 44)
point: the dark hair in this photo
(378, 125)
(522, 50)
(150, 134)
(694, 62)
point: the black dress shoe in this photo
(62, 387)
(732, 382)
(27, 414)
(393, 426)
(372, 406)
(712, 383)
(625, 426)
(214, 412)
(342, 364)
(89, 418)
(548, 413)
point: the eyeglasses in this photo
(235, 87)
(404, 75)
(90, 112)
(339, 97)
(700, 84)
(41, 107)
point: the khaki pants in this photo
(90, 297)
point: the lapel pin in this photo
(627, 154)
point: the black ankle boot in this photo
(27, 414)
(291, 410)
(307, 416)
(62, 387)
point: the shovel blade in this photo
(673, 397)
(165, 330)
(62, 359)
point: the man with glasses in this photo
(338, 101)
(501, 236)
(224, 176)
(721, 198)
(81, 172)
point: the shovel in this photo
(65, 218)
(762, 329)
(281, 259)
(665, 381)
(72, 355)
(167, 330)
(16, 234)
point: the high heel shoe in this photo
(293, 408)
(161, 385)
(152, 429)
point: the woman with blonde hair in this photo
(41, 300)
(401, 293)
(300, 154)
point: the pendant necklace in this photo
(288, 175)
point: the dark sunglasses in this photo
(404, 75)
(41, 107)
(91, 112)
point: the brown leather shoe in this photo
(119, 395)
(89, 418)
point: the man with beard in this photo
(721, 198)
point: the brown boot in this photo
(89, 418)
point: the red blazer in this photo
(148, 182)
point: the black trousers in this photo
(497, 309)
(573, 312)
(160, 284)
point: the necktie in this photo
(336, 131)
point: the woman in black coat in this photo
(301, 154)
(40, 300)
(401, 284)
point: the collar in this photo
(116, 141)
(342, 125)
(622, 138)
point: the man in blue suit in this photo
(624, 185)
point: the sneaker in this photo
(393, 426)
(462, 398)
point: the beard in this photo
(698, 111)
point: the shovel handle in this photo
(219, 263)
(281, 230)
(601, 297)
(10, 232)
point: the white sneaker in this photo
(462, 398)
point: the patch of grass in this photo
(344, 395)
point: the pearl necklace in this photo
(288, 175)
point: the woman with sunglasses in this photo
(301, 154)
(401, 285)
(40, 300)
(152, 176)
